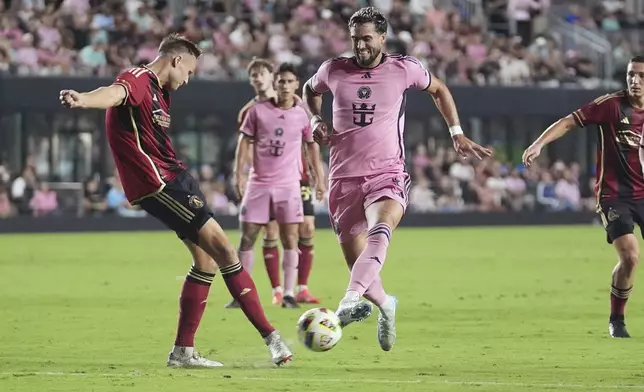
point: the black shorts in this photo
(307, 199)
(619, 217)
(181, 206)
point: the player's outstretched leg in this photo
(246, 253)
(289, 236)
(628, 250)
(192, 304)
(382, 217)
(305, 245)
(241, 286)
(272, 260)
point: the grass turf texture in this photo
(511, 309)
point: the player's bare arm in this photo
(552, 133)
(101, 98)
(446, 105)
(313, 155)
(242, 153)
(313, 104)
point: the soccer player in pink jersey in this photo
(276, 128)
(368, 182)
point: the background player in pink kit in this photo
(368, 182)
(276, 128)
(260, 73)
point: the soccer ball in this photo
(319, 329)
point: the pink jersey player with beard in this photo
(367, 153)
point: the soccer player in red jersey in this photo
(260, 72)
(137, 123)
(620, 185)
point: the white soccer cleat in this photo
(280, 353)
(387, 323)
(353, 311)
(187, 357)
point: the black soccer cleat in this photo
(289, 302)
(617, 328)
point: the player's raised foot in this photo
(278, 297)
(305, 297)
(353, 311)
(187, 357)
(280, 353)
(387, 323)
(289, 302)
(617, 328)
(233, 304)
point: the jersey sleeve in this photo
(417, 76)
(135, 81)
(599, 111)
(249, 124)
(320, 81)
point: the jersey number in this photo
(306, 193)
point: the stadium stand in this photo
(508, 43)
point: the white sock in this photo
(387, 305)
(351, 296)
(289, 293)
(181, 351)
(301, 288)
(277, 289)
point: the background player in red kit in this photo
(261, 77)
(620, 182)
(137, 122)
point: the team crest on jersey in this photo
(364, 92)
(195, 202)
(162, 118)
(612, 215)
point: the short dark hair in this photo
(176, 43)
(287, 67)
(257, 63)
(637, 59)
(369, 15)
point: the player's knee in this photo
(247, 241)
(307, 229)
(289, 240)
(271, 232)
(629, 259)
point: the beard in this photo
(367, 60)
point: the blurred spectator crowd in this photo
(498, 42)
(442, 182)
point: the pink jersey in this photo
(277, 135)
(368, 112)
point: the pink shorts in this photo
(262, 202)
(350, 197)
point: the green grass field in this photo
(512, 309)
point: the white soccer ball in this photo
(319, 329)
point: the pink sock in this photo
(289, 265)
(247, 258)
(376, 293)
(367, 267)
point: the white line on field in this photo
(209, 375)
